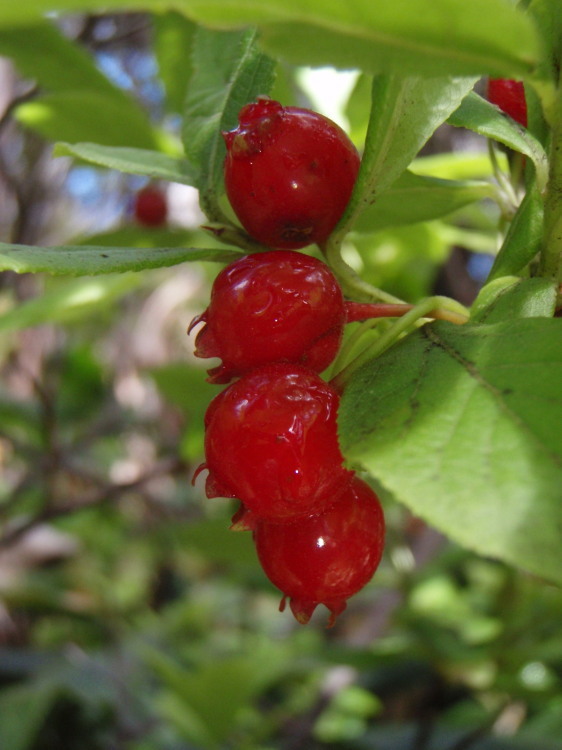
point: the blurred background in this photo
(130, 617)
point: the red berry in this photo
(509, 96)
(327, 558)
(151, 208)
(277, 306)
(271, 441)
(288, 173)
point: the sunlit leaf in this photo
(462, 424)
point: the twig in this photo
(107, 494)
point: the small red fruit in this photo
(150, 208)
(289, 173)
(509, 96)
(277, 306)
(271, 441)
(327, 558)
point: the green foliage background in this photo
(130, 617)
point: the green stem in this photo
(350, 343)
(427, 308)
(551, 254)
(231, 235)
(352, 284)
(505, 195)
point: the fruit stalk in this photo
(446, 309)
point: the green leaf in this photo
(216, 692)
(32, 701)
(405, 113)
(153, 164)
(477, 114)
(523, 239)
(448, 37)
(82, 115)
(228, 72)
(76, 260)
(25, 10)
(68, 302)
(509, 298)
(173, 41)
(41, 52)
(462, 425)
(413, 198)
(74, 88)
(548, 15)
(213, 540)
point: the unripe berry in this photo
(271, 441)
(289, 173)
(277, 306)
(327, 558)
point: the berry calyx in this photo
(289, 173)
(509, 96)
(271, 441)
(150, 207)
(277, 306)
(327, 558)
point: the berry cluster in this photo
(276, 320)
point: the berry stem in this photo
(351, 283)
(505, 194)
(443, 308)
(446, 309)
(231, 235)
(352, 340)
(358, 311)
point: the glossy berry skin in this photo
(509, 96)
(277, 306)
(150, 207)
(271, 441)
(289, 173)
(327, 558)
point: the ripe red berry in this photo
(150, 208)
(277, 306)
(327, 558)
(271, 441)
(509, 96)
(289, 173)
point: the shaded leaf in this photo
(32, 701)
(448, 37)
